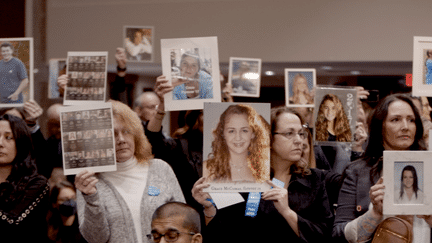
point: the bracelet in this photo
(119, 69)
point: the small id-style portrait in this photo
(408, 183)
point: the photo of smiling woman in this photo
(409, 192)
(192, 77)
(332, 123)
(241, 147)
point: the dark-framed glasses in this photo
(170, 236)
(291, 134)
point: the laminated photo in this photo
(422, 66)
(138, 43)
(87, 73)
(335, 115)
(87, 138)
(236, 147)
(16, 71)
(57, 67)
(405, 176)
(299, 85)
(192, 66)
(245, 76)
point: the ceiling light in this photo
(269, 73)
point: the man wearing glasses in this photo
(175, 222)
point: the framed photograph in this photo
(192, 66)
(299, 84)
(236, 146)
(138, 43)
(87, 73)
(406, 180)
(335, 115)
(87, 138)
(16, 71)
(57, 67)
(245, 76)
(422, 66)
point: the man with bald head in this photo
(175, 222)
(145, 105)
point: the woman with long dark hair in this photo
(24, 195)
(409, 192)
(395, 125)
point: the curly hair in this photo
(131, 121)
(300, 168)
(341, 124)
(258, 151)
(415, 184)
(296, 93)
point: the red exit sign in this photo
(408, 79)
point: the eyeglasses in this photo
(170, 236)
(291, 134)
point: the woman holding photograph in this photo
(244, 134)
(409, 192)
(192, 83)
(332, 123)
(395, 125)
(297, 211)
(428, 64)
(301, 92)
(117, 206)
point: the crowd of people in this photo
(158, 191)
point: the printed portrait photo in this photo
(138, 43)
(191, 73)
(335, 114)
(299, 84)
(422, 66)
(16, 71)
(236, 144)
(245, 76)
(192, 67)
(408, 186)
(57, 67)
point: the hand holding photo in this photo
(405, 177)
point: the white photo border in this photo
(30, 71)
(230, 74)
(287, 84)
(126, 27)
(418, 87)
(392, 157)
(184, 43)
(210, 122)
(104, 168)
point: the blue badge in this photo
(252, 204)
(153, 191)
(278, 182)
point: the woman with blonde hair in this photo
(301, 92)
(244, 134)
(117, 206)
(332, 123)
